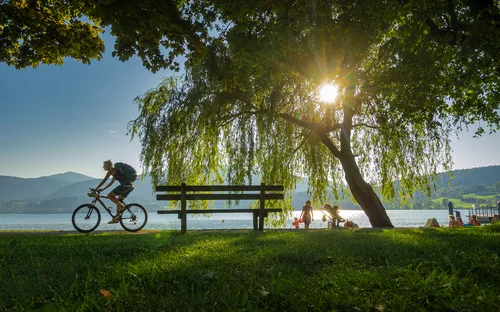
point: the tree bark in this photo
(364, 193)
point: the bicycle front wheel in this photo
(134, 218)
(86, 218)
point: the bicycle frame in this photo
(98, 199)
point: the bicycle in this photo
(86, 218)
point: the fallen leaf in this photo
(106, 293)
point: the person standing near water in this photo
(306, 215)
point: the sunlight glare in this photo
(328, 93)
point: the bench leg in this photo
(255, 217)
(262, 218)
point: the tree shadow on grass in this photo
(320, 270)
(272, 271)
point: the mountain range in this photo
(14, 188)
(64, 191)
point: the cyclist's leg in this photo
(117, 191)
(120, 193)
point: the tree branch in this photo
(365, 125)
(333, 127)
(301, 123)
(329, 144)
(229, 118)
(435, 30)
(345, 130)
(298, 122)
(419, 44)
(455, 24)
(318, 130)
(304, 140)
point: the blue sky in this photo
(55, 119)
(72, 117)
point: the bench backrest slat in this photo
(220, 197)
(219, 188)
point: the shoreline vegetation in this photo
(481, 199)
(476, 186)
(377, 270)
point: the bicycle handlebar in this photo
(94, 193)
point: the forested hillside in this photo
(64, 192)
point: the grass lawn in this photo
(324, 270)
(461, 204)
(487, 197)
(457, 203)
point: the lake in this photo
(400, 218)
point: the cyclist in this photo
(121, 191)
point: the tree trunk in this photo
(364, 194)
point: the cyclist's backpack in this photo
(127, 170)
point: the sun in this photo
(328, 93)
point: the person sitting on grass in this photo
(432, 222)
(459, 221)
(350, 224)
(452, 222)
(336, 216)
(124, 174)
(333, 212)
(473, 220)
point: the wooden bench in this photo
(189, 192)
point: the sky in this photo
(55, 119)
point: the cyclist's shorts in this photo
(123, 190)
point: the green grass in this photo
(326, 270)
(487, 197)
(461, 204)
(456, 202)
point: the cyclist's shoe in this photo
(114, 220)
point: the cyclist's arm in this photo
(104, 180)
(110, 183)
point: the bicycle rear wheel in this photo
(134, 218)
(86, 218)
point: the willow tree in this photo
(406, 79)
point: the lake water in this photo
(400, 218)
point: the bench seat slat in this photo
(193, 211)
(220, 197)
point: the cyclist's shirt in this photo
(120, 177)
